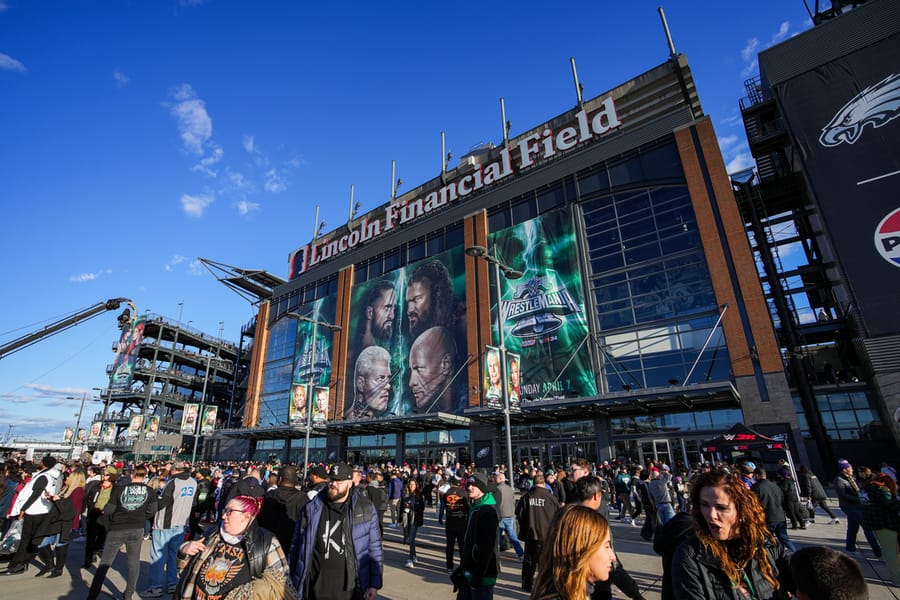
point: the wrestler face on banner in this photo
(493, 368)
(431, 359)
(372, 382)
(429, 297)
(380, 314)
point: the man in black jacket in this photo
(281, 506)
(480, 562)
(535, 511)
(128, 509)
(772, 499)
(456, 517)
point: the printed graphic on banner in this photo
(189, 419)
(126, 355)
(543, 311)
(68, 435)
(312, 357)
(492, 378)
(407, 341)
(320, 415)
(94, 434)
(81, 436)
(513, 378)
(108, 436)
(134, 427)
(152, 428)
(210, 414)
(297, 413)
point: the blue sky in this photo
(139, 136)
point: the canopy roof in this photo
(740, 437)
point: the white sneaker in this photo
(409, 564)
(834, 522)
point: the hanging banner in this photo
(189, 419)
(492, 378)
(297, 411)
(81, 436)
(210, 414)
(543, 313)
(320, 415)
(134, 427)
(152, 428)
(109, 434)
(94, 434)
(68, 435)
(312, 358)
(513, 378)
(407, 341)
(126, 354)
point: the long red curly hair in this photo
(750, 526)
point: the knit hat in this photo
(479, 481)
(843, 463)
(110, 470)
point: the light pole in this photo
(312, 358)
(77, 423)
(509, 273)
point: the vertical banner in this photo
(109, 434)
(297, 411)
(189, 419)
(135, 427)
(407, 341)
(152, 428)
(126, 353)
(320, 415)
(312, 358)
(492, 378)
(210, 414)
(543, 311)
(513, 378)
(68, 435)
(81, 436)
(94, 435)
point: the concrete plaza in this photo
(428, 579)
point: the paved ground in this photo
(429, 579)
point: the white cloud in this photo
(740, 162)
(207, 162)
(82, 277)
(176, 260)
(750, 69)
(782, 32)
(749, 50)
(8, 63)
(194, 123)
(194, 206)
(274, 182)
(239, 182)
(245, 206)
(196, 268)
(249, 144)
(120, 78)
(727, 142)
(731, 120)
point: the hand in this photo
(370, 594)
(192, 548)
(21, 516)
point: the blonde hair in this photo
(577, 532)
(74, 481)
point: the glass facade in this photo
(847, 415)
(275, 400)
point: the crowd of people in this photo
(264, 531)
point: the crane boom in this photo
(67, 322)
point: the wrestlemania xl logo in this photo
(539, 307)
(876, 106)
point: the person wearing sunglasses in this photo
(239, 559)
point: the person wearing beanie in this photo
(850, 502)
(480, 562)
(32, 506)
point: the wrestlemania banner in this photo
(320, 414)
(135, 427)
(126, 354)
(543, 312)
(189, 419)
(407, 341)
(152, 428)
(109, 434)
(94, 434)
(68, 435)
(208, 426)
(311, 367)
(81, 436)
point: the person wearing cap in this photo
(316, 481)
(336, 552)
(129, 507)
(32, 506)
(747, 474)
(480, 561)
(169, 525)
(848, 493)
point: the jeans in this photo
(854, 522)
(164, 556)
(411, 539)
(665, 512)
(779, 529)
(132, 538)
(508, 524)
(394, 504)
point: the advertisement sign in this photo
(513, 378)
(81, 437)
(210, 414)
(134, 427)
(94, 434)
(493, 393)
(152, 428)
(845, 116)
(543, 311)
(189, 419)
(297, 411)
(407, 341)
(320, 415)
(126, 354)
(68, 435)
(108, 435)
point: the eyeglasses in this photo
(228, 511)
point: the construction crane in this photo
(70, 321)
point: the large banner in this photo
(109, 434)
(126, 353)
(94, 434)
(320, 414)
(189, 419)
(68, 435)
(407, 341)
(135, 427)
(152, 428)
(845, 116)
(545, 326)
(312, 359)
(208, 426)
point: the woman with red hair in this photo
(238, 560)
(731, 554)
